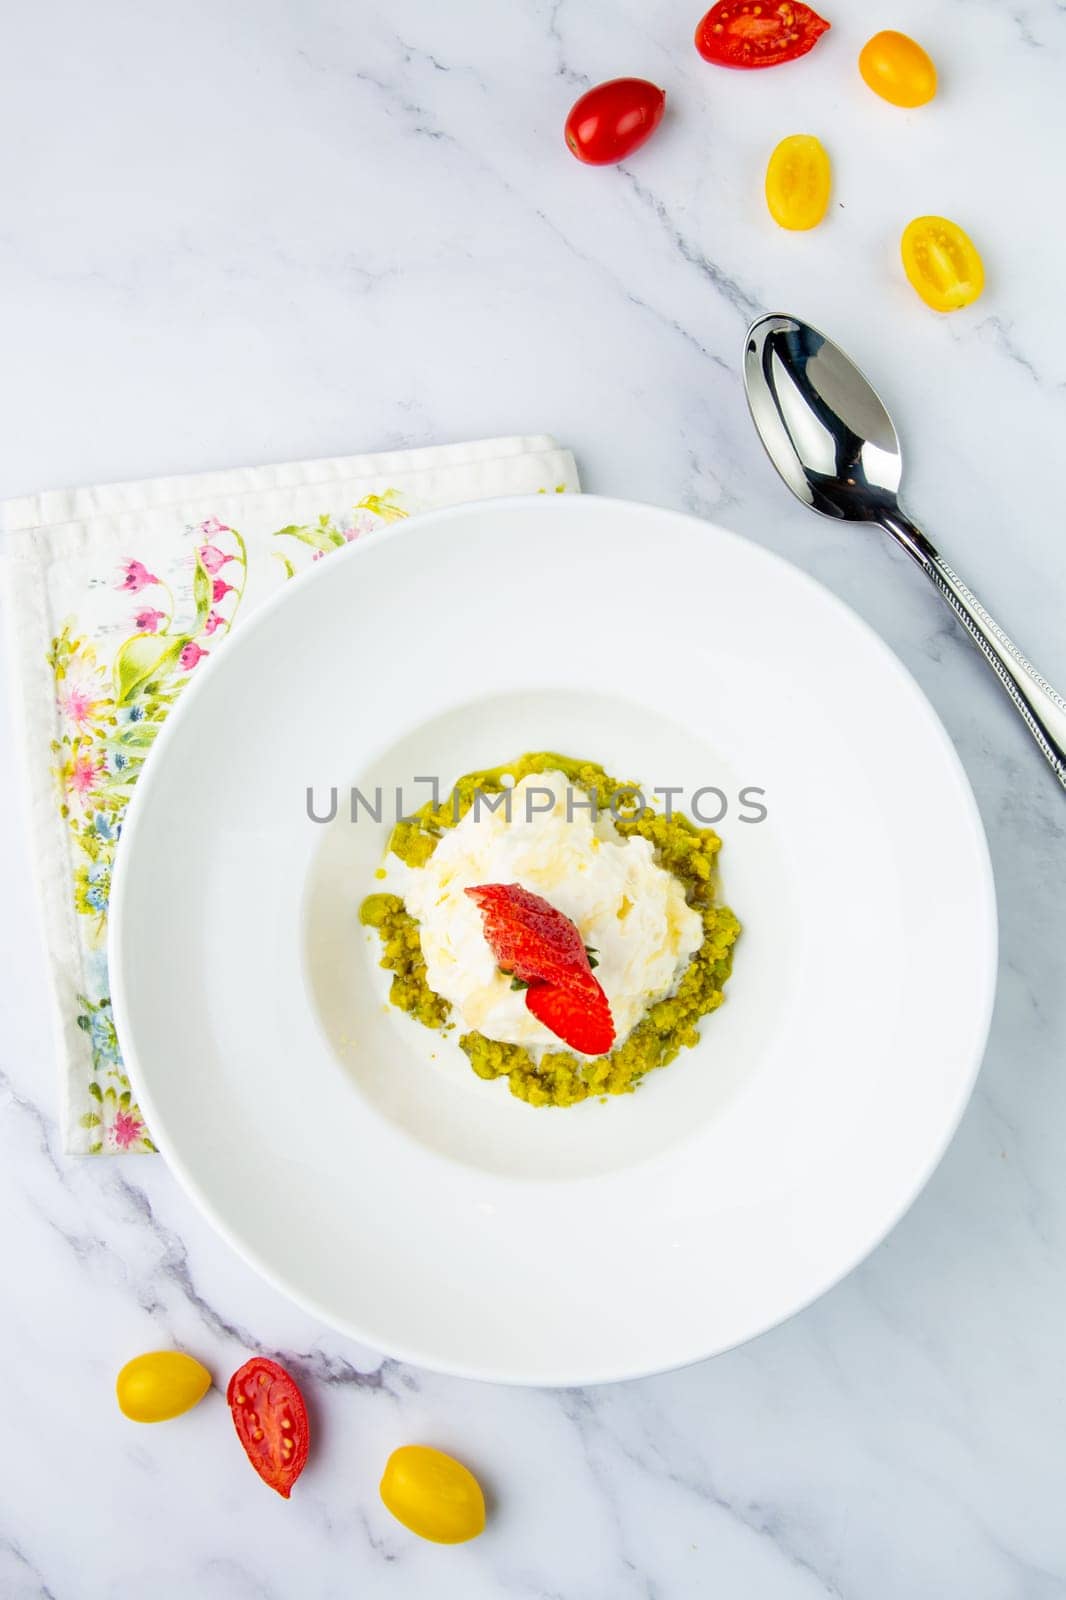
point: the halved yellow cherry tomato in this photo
(160, 1385)
(433, 1495)
(898, 69)
(798, 180)
(942, 263)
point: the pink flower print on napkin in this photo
(190, 655)
(221, 590)
(77, 704)
(136, 577)
(82, 774)
(362, 522)
(126, 1129)
(214, 621)
(212, 559)
(148, 620)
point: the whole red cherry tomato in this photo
(745, 33)
(271, 1421)
(609, 122)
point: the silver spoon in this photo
(831, 439)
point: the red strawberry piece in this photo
(576, 1011)
(528, 936)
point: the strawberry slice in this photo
(577, 1012)
(528, 936)
(543, 949)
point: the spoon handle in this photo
(1042, 709)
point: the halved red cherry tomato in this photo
(745, 33)
(271, 1422)
(611, 121)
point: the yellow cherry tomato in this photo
(433, 1495)
(160, 1385)
(898, 69)
(798, 180)
(942, 263)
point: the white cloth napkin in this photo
(115, 594)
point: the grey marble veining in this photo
(254, 232)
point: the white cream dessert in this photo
(627, 908)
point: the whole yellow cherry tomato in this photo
(433, 1495)
(798, 180)
(160, 1385)
(942, 263)
(898, 69)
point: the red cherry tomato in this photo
(744, 33)
(271, 1422)
(609, 122)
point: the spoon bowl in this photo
(824, 426)
(830, 437)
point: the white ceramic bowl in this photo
(351, 1155)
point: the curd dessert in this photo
(573, 938)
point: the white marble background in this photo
(236, 232)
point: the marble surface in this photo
(255, 231)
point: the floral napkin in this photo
(116, 594)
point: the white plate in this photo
(402, 1199)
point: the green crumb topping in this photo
(402, 956)
(560, 1078)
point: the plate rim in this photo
(184, 708)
